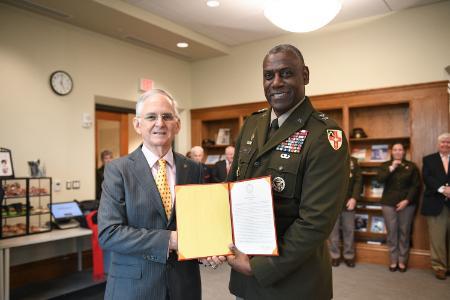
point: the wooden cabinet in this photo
(413, 114)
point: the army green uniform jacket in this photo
(355, 184)
(309, 186)
(403, 183)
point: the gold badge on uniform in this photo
(335, 138)
(278, 184)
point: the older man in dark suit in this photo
(222, 167)
(137, 216)
(436, 205)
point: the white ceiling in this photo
(236, 22)
(160, 24)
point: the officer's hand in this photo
(351, 203)
(402, 204)
(239, 261)
(447, 191)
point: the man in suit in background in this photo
(436, 205)
(222, 167)
(197, 154)
(137, 216)
(307, 157)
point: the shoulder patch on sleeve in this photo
(335, 138)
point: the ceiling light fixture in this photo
(212, 3)
(182, 45)
(301, 15)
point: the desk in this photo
(55, 235)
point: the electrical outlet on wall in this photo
(68, 185)
(57, 185)
(75, 184)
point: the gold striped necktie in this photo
(163, 187)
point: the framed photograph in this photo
(6, 164)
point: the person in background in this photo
(137, 219)
(222, 167)
(106, 156)
(198, 154)
(436, 205)
(346, 220)
(401, 189)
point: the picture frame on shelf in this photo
(380, 152)
(223, 137)
(377, 224)
(6, 164)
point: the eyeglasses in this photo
(166, 117)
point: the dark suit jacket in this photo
(403, 183)
(98, 181)
(306, 208)
(220, 171)
(434, 177)
(133, 225)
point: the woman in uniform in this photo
(401, 189)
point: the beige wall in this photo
(412, 46)
(36, 123)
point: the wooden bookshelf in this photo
(412, 114)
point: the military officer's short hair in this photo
(286, 48)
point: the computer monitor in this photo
(65, 210)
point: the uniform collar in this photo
(283, 117)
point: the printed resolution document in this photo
(212, 216)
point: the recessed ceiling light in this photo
(212, 3)
(182, 45)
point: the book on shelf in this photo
(359, 153)
(373, 207)
(376, 188)
(377, 224)
(361, 221)
(212, 159)
(380, 152)
(223, 136)
(374, 242)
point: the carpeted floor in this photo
(368, 282)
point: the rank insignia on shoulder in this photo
(260, 111)
(322, 116)
(335, 138)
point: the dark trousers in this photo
(346, 221)
(439, 231)
(398, 225)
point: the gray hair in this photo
(150, 94)
(196, 149)
(444, 136)
(286, 48)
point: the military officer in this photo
(307, 157)
(401, 181)
(346, 220)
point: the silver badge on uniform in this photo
(285, 155)
(278, 184)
